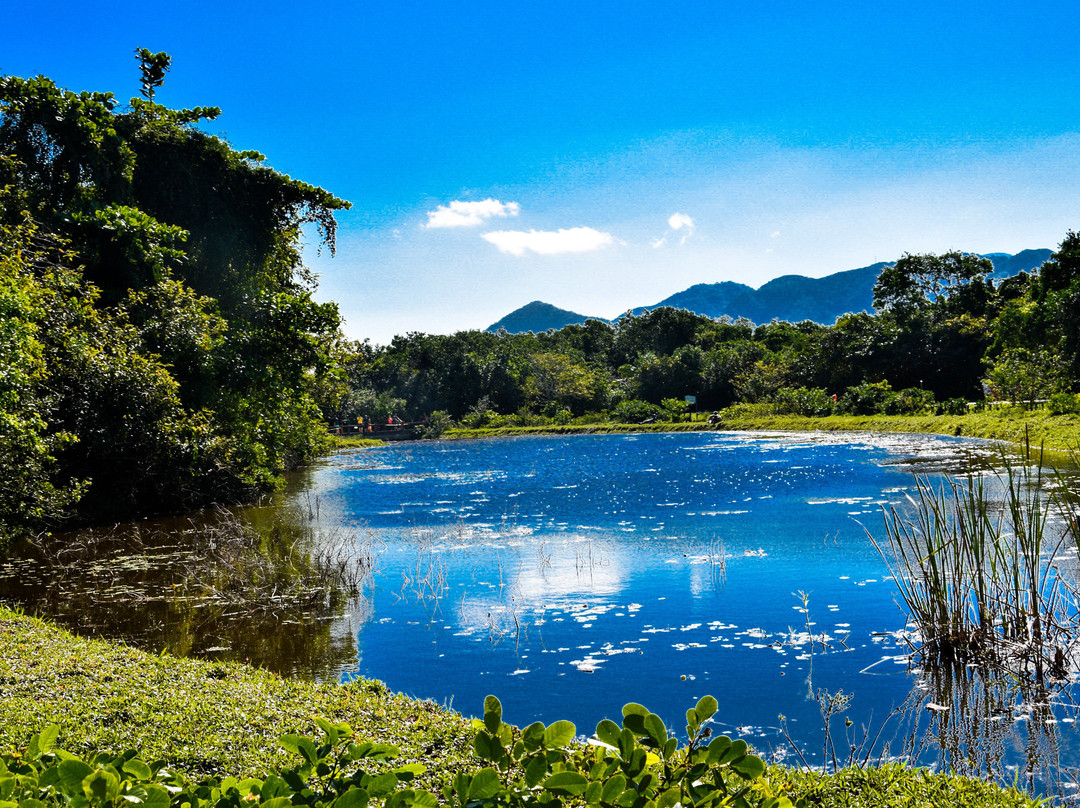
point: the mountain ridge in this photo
(789, 297)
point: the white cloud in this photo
(469, 214)
(547, 242)
(676, 222)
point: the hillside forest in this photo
(161, 348)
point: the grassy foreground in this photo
(205, 717)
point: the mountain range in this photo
(790, 297)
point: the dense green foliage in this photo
(943, 335)
(160, 345)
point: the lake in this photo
(570, 575)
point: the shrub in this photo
(811, 402)
(867, 399)
(1064, 404)
(910, 401)
(952, 406)
(634, 411)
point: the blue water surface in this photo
(570, 575)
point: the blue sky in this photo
(604, 155)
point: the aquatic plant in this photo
(979, 567)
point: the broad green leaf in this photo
(299, 745)
(718, 750)
(46, 739)
(593, 792)
(608, 732)
(485, 784)
(705, 708)
(276, 802)
(634, 717)
(559, 735)
(138, 769)
(156, 797)
(569, 783)
(353, 798)
(749, 767)
(655, 729)
(329, 729)
(492, 714)
(668, 798)
(613, 788)
(692, 722)
(382, 785)
(72, 773)
(536, 770)
(410, 770)
(101, 786)
(533, 735)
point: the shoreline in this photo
(1057, 437)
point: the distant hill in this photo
(538, 317)
(790, 297)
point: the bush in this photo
(810, 402)
(438, 422)
(634, 411)
(910, 401)
(867, 399)
(952, 406)
(1064, 404)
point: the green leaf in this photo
(299, 745)
(613, 788)
(536, 770)
(329, 729)
(156, 797)
(410, 770)
(45, 740)
(655, 729)
(101, 786)
(492, 714)
(593, 792)
(138, 769)
(533, 735)
(607, 731)
(749, 767)
(72, 773)
(353, 798)
(668, 798)
(559, 735)
(569, 783)
(705, 708)
(382, 785)
(669, 747)
(276, 802)
(485, 785)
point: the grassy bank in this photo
(205, 717)
(1034, 428)
(200, 716)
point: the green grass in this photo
(202, 717)
(338, 442)
(225, 718)
(1057, 434)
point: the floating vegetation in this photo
(982, 569)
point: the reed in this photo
(979, 564)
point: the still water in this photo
(570, 575)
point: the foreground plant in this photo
(637, 765)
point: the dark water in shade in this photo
(569, 576)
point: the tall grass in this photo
(980, 563)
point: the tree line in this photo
(943, 333)
(160, 348)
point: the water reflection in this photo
(274, 587)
